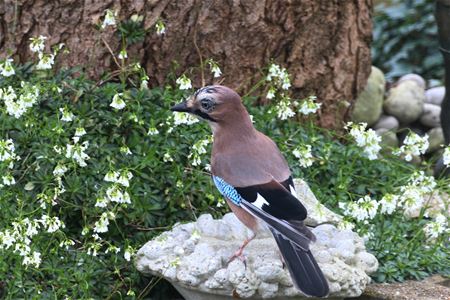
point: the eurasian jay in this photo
(251, 173)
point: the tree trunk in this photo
(325, 44)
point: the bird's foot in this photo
(239, 255)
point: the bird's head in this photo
(215, 103)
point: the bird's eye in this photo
(207, 104)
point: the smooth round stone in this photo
(368, 106)
(435, 95)
(405, 101)
(387, 122)
(388, 138)
(435, 139)
(413, 77)
(431, 116)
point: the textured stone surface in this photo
(431, 116)
(405, 101)
(387, 122)
(194, 257)
(435, 95)
(435, 139)
(369, 104)
(317, 213)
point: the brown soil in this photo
(433, 288)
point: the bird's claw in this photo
(239, 255)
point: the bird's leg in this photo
(238, 253)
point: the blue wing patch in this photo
(227, 190)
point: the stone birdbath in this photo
(194, 258)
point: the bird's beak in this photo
(181, 107)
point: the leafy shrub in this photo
(92, 170)
(405, 39)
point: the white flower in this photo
(388, 203)
(152, 131)
(160, 27)
(32, 259)
(124, 178)
(420, 180)
(271, 93)
(46, 61)
(7, 150)
(66, 115)
(309, 106)
(446, 156)
(17, 106)
(8, 179)
(52, 223)
(367, 140)
(122, 54)
(80, 131)
(437, 227)
(413, 145)
(167, 157)
(111, 176)
(59, 170)
(125, 150)
(117, 101)
(216, 71)
(6, 68)
(184, 83)
(37, 43)
(284, 110)
(102, 224)
(102, 202)
(346, 225)
(303, 153)
(77, 152)
(183, 118)
(197, 149)
(115, 194)
(110, 18)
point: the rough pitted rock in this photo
(387, 122)
(435, 139)
(405, 101)
(431, 116)
(369, 104)
(194, 258)
(435, 95)
(317, 212)
(413, 77)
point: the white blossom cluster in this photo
(278, 77)
(16, 106)
(19, 237)
(309, 106)
(46, 60)
(6, 68)
(115, 192)
(160, 27)
(184, 83)
(436, 227)
(283, 109)
(361, 210)
(215, 69)
(413, 144)
(76, 151)
(368, 140)
(303, 153)
(7, 149)
(446, 156)
(197, 150)
(413, 194)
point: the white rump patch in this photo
(260, 201)
(292, 190)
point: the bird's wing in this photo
(272, 203)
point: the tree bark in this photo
(324, 44)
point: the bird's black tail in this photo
(305, 272)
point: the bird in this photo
(249, 170)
